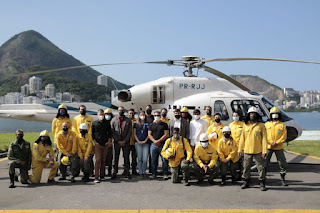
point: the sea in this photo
(307, 120)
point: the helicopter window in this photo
(158, 95)
(220, 107)
(242, 107)
(269, 105)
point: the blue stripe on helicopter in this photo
(53, 105)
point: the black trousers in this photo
(126, 153)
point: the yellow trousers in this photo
(37, 168)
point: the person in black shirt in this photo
(158, 132)
(101, 134)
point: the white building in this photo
(13, 98)
(25, 89)
(49, 91)
(102, 80)
(291, 104)
(35, 84)
(278, 103)
(1, 99)
(66, 97)
(59, 97)
(289, 92)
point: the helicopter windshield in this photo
(269, 105)
(242, 106)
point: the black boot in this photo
(283, 180)
(245, 184)
(263, 185)
(86, 177)
(11, 181)
(109, 171)
(223, 180)
(234, 180)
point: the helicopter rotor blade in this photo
(257, 59)
(224, 76)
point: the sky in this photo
(98, 32)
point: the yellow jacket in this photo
(205, 155)
(276, 132)
(39, 153)
(79, 119)
(57, 124)
(254, 139)
(236, 130)
(84, 146)
(209, 120)
(166, 120)
(132, 139)
(178, 147)
(228, 150)
(67, 144)
(218, 130)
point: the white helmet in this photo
(203, 137)
(226, 129)
(83, 126)
(253, 109)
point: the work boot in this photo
(109, 171)
(86, 177)
(72, 180)
(200, 180)
(62, 178)
(134, 171)
(223, 181)
(114, 176)
(245, 184)
(283, 180)
(234, 180)
(52, 181)
(186, 183)
(263, 185)
(11, 181)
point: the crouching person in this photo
(84, 151)
(205, 160)
(174, 150)
(19, 155)
(228, 154)
(41, 148)
(67, 142)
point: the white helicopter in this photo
(223, 94)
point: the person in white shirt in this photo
(197, 127)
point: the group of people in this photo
(185, 143)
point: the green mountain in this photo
(29, 51)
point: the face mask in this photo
(62, 113)
(164, 115)
(236, 118)
(226, 135)
(19, 137)
(157, 118)
(204, 144)
(83, 132)
(217, 120)
(196, 117)
(176, 136)
(108, 117)
(121, 113)
(101, 117)
(177, 116)
(275, 116)
(83, 112)
(209, 112)
(65, 129)
(253, 117)
(149, 111)
(142, 117)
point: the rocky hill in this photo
(30, 51)
(257, 84)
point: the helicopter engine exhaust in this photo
(124, 96)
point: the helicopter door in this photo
(158, 94)
(220, 107)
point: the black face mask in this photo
(217, 120)
(19, 137)
(83, 132)
(177, 116)
(83, 112)
(65, 129)
(209, 112)
(253, 117)
(121, 113)
(149, 111)
(226, 135)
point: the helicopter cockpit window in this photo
(269, 105)
(220, 107)
(158, 95)
(242, 106)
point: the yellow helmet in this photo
(44, 133)
(170, 152)
(65, 160)
(274, 110)
(62, 106)
(108, 110)
(184, 109)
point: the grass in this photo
(305, 147)
(7, 138)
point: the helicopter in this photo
(224, 94)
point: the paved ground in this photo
(303, 192)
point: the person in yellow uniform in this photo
(253, 141)
(277, 135)
(131, 114)
(205, 160)
(164, 118)
(67, 144)
(214, 131)
(208, 117)
(185, 114)
(236, 130)
(228, 154)
(84, 150)
(41, 148)
(176, 156)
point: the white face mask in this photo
(235, 118)
(157, 118)
(275, 116)
(101, 117)
(142, 117)
(108, 117)
(204, 144)
(197, 117)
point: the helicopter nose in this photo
(124, 96)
